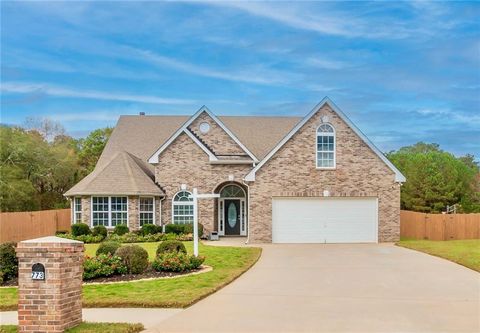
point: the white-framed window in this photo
(146, 210)
(77, 210)
(109, 211)
(326, 147)
(182, 208)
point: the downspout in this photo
(160, 213)
(248, 211)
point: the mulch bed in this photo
(148, 274)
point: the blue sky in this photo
(403, 71)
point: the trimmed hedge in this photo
(150, 229)
(134, 257)
(183, 229)
(80, 229)
(100, 230)
(108, 247)
(121, 229)
(8, 261)
(171, 246)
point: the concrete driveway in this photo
(340, 288)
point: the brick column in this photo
(55, 303)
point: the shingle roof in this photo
(142, 135)
(123, 167)
(124, 174)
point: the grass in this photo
(464, 252)
(89, 328)
(228, 263)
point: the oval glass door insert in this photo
(232, 214)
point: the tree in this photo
(46, 127)
(435, 179)
(92, 147)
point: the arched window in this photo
(182, 208)
(232, 191)
(326, 146)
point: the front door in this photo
(232, 216)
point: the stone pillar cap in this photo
(52, 239)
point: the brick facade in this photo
(292, 172)
(184, 162)
(54, 304)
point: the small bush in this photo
(188, 229)
(80, 229)
(134, 257)
(171, 246)
(100, 230)
(88, 239)
(150, 229)
(176, 262)
(108, 247)
(8, 261)
(120, 229)
(176, 229)
(103, 265)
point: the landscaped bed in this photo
(464, 252)
(227, 263)
(89, 328)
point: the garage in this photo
(325, 220)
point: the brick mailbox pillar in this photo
(49, 284)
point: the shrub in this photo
(100, 230)
(176, 262)
(188, 229)
(89, 238)
(120, 229)
(8, 261)
(174, 229)
(134, 257)
(103, 265)
(79, 229)
(108, 247)
(150, 229)
(171, 246)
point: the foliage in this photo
(103, 265)
(108, 247)
(134, 257)
(176, 262)
(79, 229)
(92, 146)
(436, 178)
(83, 238)
(100, 230)
(8, 261)
(150, 229)
(183, 229)
(121, 229)
(171, 246)
(39, 163)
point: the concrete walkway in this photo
(148, 317)
(340, 288)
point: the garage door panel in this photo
(324, 220)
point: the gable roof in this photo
(124, 174)
(184, 129)
(399, 177)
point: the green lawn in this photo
(228, 263)
(89, 328)
(464, 252)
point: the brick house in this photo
(280, 179)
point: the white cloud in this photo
(42, 88)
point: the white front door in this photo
(324, 220)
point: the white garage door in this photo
(324, 220)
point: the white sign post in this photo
(197, 196)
